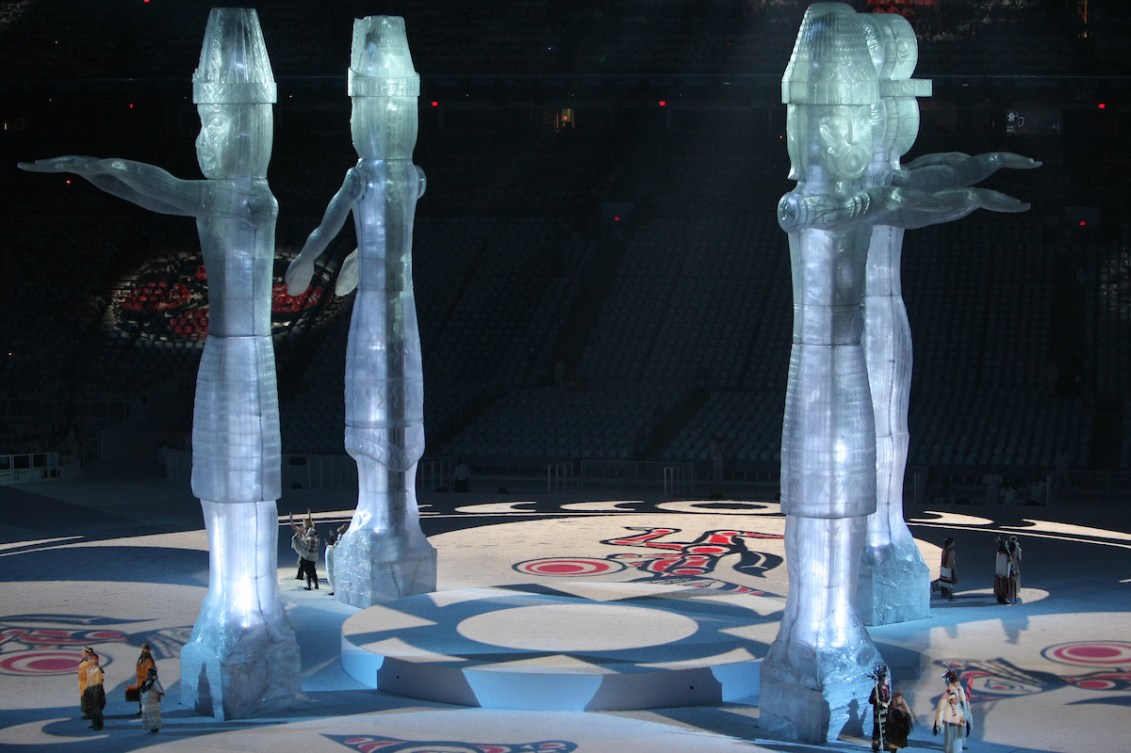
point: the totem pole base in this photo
(814, 695)
(254, 673)
(894, 586)
(371, 567)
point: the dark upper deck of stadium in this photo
(602, 179)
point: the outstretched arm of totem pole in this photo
(951, 204)
(933, 172)
(145, 185)
(889, 205)
(302, 268)
(797, 211)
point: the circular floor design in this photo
(586, 647)
(577, 627)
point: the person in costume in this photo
(331, 546)
(900, 722)
(145, 662)
(948, 570)
(1014, 569)
(1002, 581)
(84, 664)
(305, 544)
(94, 695)
(952, 715)
(880, 700)
(151, 694)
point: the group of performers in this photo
(1007, 570)
(892, 719)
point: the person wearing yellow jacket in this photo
(84, 664)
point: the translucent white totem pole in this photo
(817, 667)
(242, 657)
(815, 677)
(384, 554)
(894, 584)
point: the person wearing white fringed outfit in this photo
(952, 715)
(151, 692)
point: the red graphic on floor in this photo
(48, 651)
(690, 563)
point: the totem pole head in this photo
(233, 88)
(384, 87)
(894, 51)
(832, 91)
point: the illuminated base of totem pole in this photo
(384, 555)
(895, 585)
(895, 582)
(375, 566)
(814, 679)
(242, 659)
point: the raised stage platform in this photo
(580, 646)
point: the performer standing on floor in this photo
(880, 700)
(948, 570)
(900, 722)
(1014, 569)
(331, 546)
(145, 662)
(952, 715)
(1002, 582)
(94, 694)
(152, 691)
(305, 544)
(84, 664)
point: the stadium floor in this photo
(118, 557)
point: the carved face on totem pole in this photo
(829, 143)
(233, 88)
(832, 91)
(235, 141)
